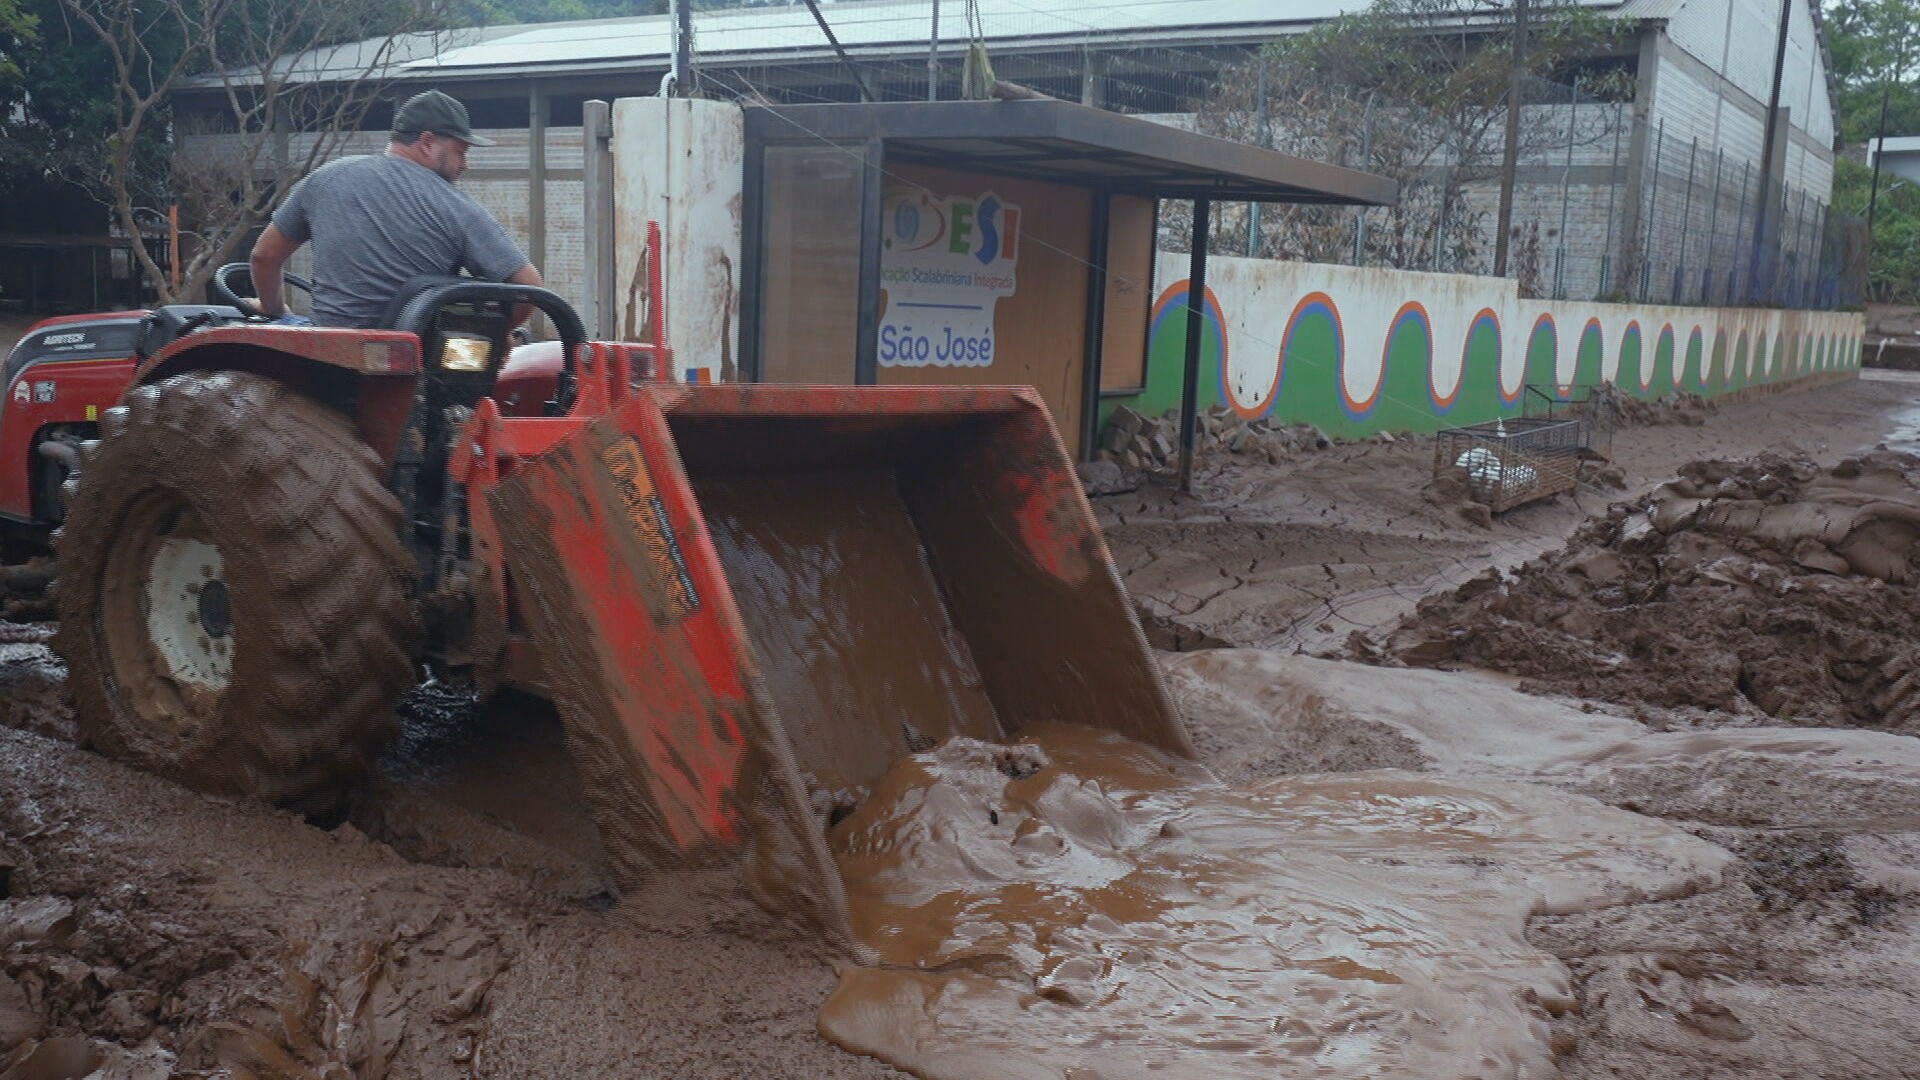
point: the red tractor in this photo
(65, 371)
(745, 597)
(260, 537)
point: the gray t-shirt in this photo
(377, 222)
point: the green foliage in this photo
(1874, 57)
(1893, 274)
(1413, 90)
(18, 31)
(56, 101)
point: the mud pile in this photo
(1690, 410)
(25, 590)
(1135, 441)
(1769, 588)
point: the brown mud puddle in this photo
(1056, 901)
(1079, 906)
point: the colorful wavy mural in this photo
(1359, 350)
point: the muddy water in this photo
(1078, 905)
(1116, 913)
(855, 643)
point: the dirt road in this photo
(460, 925)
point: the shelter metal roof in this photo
(1069, 143)
(871, 27)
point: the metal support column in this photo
(597, 312)
(1196, 316)
(866, 355)
(537, 175)
(1096, 324)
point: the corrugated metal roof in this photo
(752, 33)
(881, 27)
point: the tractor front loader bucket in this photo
(749, 600)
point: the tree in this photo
(268, 69)
(1410, 89)
(1874, 58)
(1874, 61)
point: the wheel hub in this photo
(190, 613)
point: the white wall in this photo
(679, 162)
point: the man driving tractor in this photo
(378, 222)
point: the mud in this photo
(1081, 906)
(1802, 963)
(1763, 590)
(1303, 554)
(461, 924)
(861, 655)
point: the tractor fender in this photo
(369, 375)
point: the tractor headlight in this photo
(465, 352)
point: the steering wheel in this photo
(224, 290)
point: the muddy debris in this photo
(1622, 410)
(1136, 442)
(1763, 590)
(26, 590)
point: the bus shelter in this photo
(984, 243)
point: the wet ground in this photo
(1386, 872)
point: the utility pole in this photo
(682, 74)
(1766, 153)
(1880, 131)
(933, 55)
(1510, 161)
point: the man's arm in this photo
(526, 275)
(269, 260)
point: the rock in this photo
(18, 1020)
(129, 1015)
(1385, 438)
(44, 919)
(1104, 478)
(1321, 440)
(68, 1055)
(1122, 427)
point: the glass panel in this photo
(810, 263)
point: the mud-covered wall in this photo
(1358, 350)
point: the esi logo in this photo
(945, 263)
(983, 230)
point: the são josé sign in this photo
(945, 262)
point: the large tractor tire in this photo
(235, 608)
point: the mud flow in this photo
(1077, 904)
(1080, 906)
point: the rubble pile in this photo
(1135, 441)
(1769, 590)
(1689, 410)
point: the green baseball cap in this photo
(439, 113)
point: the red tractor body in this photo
(62, 374)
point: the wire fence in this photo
(1607, 205)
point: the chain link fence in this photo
(1607, 205)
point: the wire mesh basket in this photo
(1515, 460)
